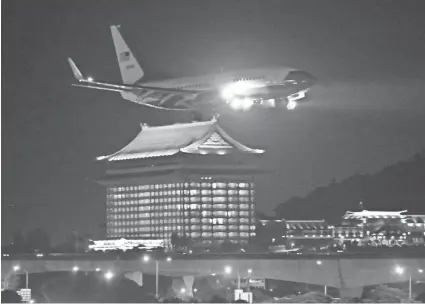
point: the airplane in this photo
(271, 87)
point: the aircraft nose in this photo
(300, 78)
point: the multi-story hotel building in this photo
(192, 179)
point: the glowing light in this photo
(124, 244)
(97, 269)
(249, 270)
(213, 274)
(292, 104)
(16, 268)
(109, 275)
(169, 259)
(238, 89)
(319, 262)
(32, 301)
(399, 270)
(146, 258)
(195, 290)
(241, 103)
(75, 268)
(90, 79)
(183, 290)
(298, 95)
(227, 269)
(420, 270)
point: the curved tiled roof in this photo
(197, 137)
(374, 214)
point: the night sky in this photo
(367, 112)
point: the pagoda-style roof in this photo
(195, 138)
(374, 214)
(307, 225)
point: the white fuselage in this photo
(260, 83)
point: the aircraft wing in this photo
(109, 86)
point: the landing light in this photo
(238, 88)
(90, 79)
(291, 105)
(241, 103)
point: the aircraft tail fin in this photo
(75, 70)
(130, 69)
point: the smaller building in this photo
(362, 228)
(380, 228)
(291, 234)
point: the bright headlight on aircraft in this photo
(292, 104)
(238, 89)
(241, 103)
(90, 79)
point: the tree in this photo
(75, 242)
(38, 240)
(19, 243)
(421, 297)
(10, 296)
(175, 240)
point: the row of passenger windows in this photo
(208, 84)
(248, 78)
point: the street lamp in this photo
(16, 268)
(228, 270)
(75, 268)
(109, 275)
(400, 271)
(146, 258)
(325, 291)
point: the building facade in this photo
(363, 228)
(190, 179)
(289, 234)
(377, 228)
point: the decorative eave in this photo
(374, 214)
(194, 138)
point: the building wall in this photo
(204, 209)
